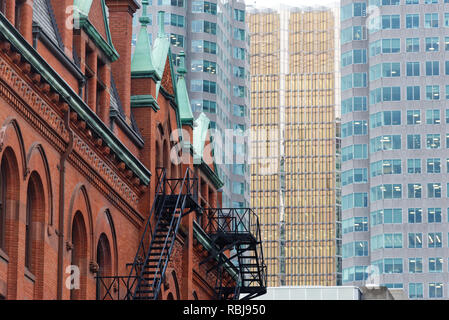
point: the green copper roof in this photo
(141, 64)
(81, 20)
(161, 47)
(82, 7)
(182, 95)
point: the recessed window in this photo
(385, 142)
(413, 166)
(433, 141)
(415, 290)
(435, 240)
(239, 15)
(415, 240)
(434, 190)
(177, 20)
(413, 141)
(432, 44)
(414, 190)
(433, 165)
(204, 7)
(413, 93)
(431, 20)
(393, 265)
(432, 68)
(412, 69)
(413, 117)
(433, 92)
(414, 215)
(412, 21)
(390, 21)
(435, 290)
(412, 45)
(433, 116)
(433, 215)
(28, 226)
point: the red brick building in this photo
(95, 172)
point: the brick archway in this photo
(79, 255)
(36, 160)
(10, 197)
(34, 231)
(104, 261)
(105, 226)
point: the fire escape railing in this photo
(236, 245)
(145, 242)
(237, 231)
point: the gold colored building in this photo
(294, 143)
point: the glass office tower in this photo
(214, 36)
(295, 143)
(395, 164)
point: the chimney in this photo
(121, 23)
(63, 11)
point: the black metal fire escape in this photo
(237, 232)
(174, 199)
(233, 230)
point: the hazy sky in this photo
(299, 3)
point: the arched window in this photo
(79, 254)
(28, 226)
(104, 265)
(9, 198)
(35, 208)
(3, 184)
(104, 256)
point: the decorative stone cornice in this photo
(49, 80)
(36, 108)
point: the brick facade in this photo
(64, 191)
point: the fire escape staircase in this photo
(174, 199)
(233, 235)
(237, 232)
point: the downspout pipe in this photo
(62, 163)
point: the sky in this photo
(299, 3)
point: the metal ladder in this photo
(174, 199)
